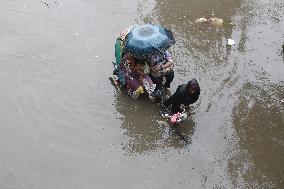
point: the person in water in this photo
(161, 65)
(139, 77)
(185, 95)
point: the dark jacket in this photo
(182, 96)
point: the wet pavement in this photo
(63, 125)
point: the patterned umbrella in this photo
(146, 40)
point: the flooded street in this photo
(64, 126)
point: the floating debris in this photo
(216, 21)
(45, 3)
(201, 20)
(213, 21)
(49, 3)
(230, 42)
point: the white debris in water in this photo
(201, 20)
(216, 21)
(97, 56)
(282, 100)
(231, 42)
(76, 34)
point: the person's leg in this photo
(169, 78)
(158, 89)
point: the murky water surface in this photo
(62, 124)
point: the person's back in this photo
(185, 94)
(161, 66)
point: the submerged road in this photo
(64, 126)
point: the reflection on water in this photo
(198, 44)
(259, 120)
(201, 52)
(143, 133)
(59, 126)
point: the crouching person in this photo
(185, 95)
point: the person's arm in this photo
(166, 65)
(195, 98)
(169, 61)
(172, 99)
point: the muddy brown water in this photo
(63, 125)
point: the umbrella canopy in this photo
(146, 40)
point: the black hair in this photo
(193, 84)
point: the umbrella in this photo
(146, 40)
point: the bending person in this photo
(140, 80)
(161, 65)
(185, 94)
